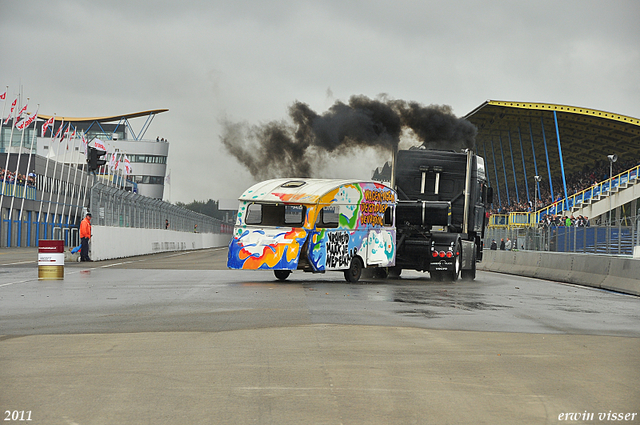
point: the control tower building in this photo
(148, 157)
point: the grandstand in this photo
(586, 163)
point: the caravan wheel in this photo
(282, 274)
(353, 273)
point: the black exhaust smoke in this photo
(288, 148)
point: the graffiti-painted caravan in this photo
(315, 225)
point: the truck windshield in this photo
(275, 214)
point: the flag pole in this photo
(80, 186)
(75, 175)
(109, 168)
(4, 105)
(46, 167)
(26, 182)
(71, 139)
(119, 171)
(66, 186)
(55, 214)
(84, 147)
(86, 188)
(17, 173)
(55, 169)
(6, 165)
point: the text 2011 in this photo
(17, 415)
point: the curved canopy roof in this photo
(512, 134)
(112, 118)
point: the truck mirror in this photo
(489, 195)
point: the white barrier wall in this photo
(120, 242)
(621, 274)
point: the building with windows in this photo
(148, 157)
(44, 184)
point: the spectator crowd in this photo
(10, 177)
(577, 182)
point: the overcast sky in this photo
(248, 61)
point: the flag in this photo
(13, 107)
(27, 121)
(84, 143)
(59, 130)
(127, 165)
(167, 179)
(3, 96)
(22, 111)
(62, 132)
(112, 161)
(46, 125)
(99, 144)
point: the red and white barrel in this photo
(50, 259)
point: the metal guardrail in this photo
(111, 206)
(618, 239)
(18, 190)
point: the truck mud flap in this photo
(468, 254)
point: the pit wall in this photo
(619, 274)
(119, 242)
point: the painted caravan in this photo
(315, 225)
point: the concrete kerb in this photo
(599, 271)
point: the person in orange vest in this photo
(85, 235)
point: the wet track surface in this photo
(116, 297)
(177, 338)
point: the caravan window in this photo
(275, 214)
(254, 214)
(388, 216)
(293, 214)
(329, 217)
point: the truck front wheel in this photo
(352, 274)
(395, 272)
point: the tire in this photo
(395, 272)
(380, 272)
(457, 264)
(282, 274)
(353, 273)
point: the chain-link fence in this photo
(111, 206)
(618, 239)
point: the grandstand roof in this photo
(515, 129)
(112, 118)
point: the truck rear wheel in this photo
(352, 274)
(457, 264)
